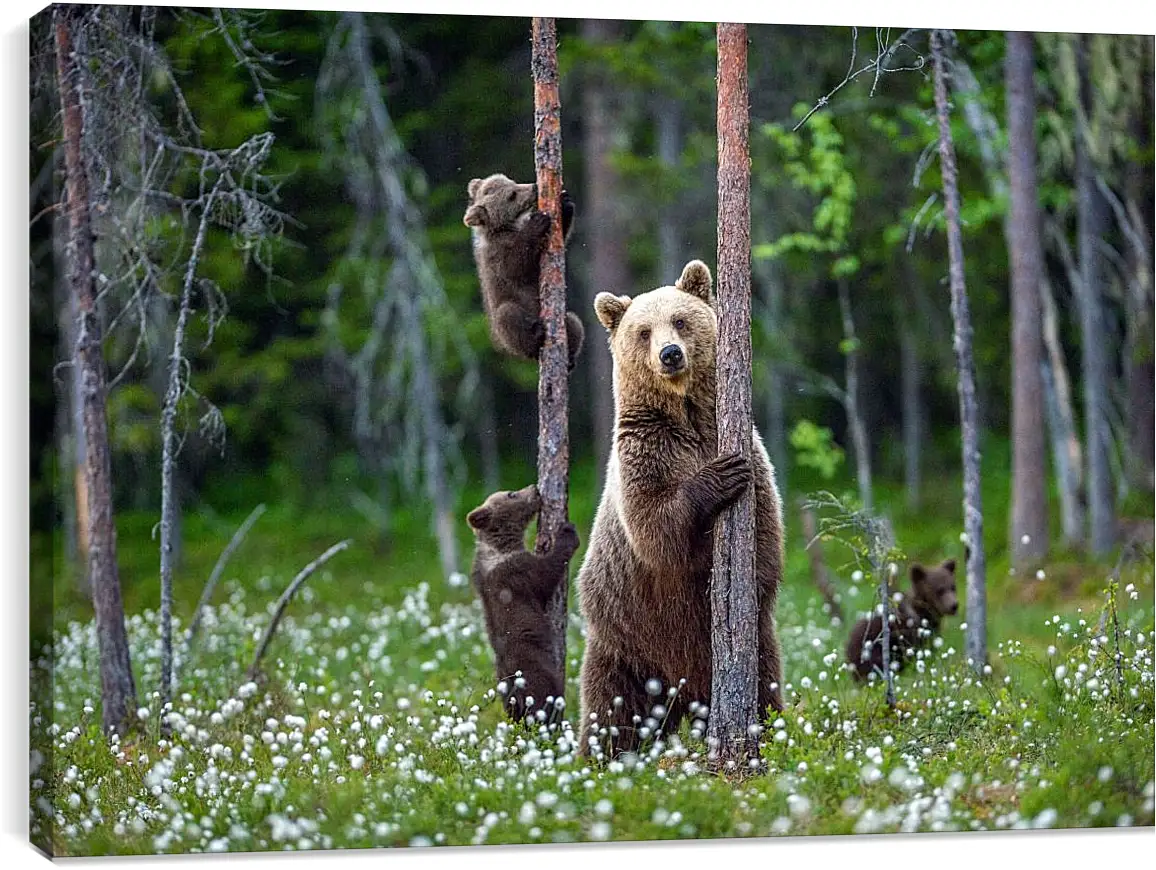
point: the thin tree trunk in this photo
(118, 691)
(667, 122)
(880, 544)
(1067, 454)
(1029, 503)
(169, 497)
(734, 601)
(976, 636)
(1139, 372)
(604, 227)
(909, 377)
(553, 385)
(854, 412)
(1092, 220)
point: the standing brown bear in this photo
(509, 235)
(644, 585)
(914, 620)
(515, 586)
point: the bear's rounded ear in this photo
(695, 280)
(949, 566)
(475, 216)
(472, 187)
(918, 573)
(610, 309)
(478, 518)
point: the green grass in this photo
(382, 675)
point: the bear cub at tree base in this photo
(644, 584)
(509, 237)
(515, 587)
(914, 621)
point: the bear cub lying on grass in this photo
(509, 235)
(914, 621)
(515, 587)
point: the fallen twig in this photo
(219, 569)
(286, 597)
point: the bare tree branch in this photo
(877, 64)
(283, 602)
(218, 570)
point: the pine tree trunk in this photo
(1092, 220)
(734, 603)
(1029, 503)
(853, 408)
(553, 385)
(602, 222)
(118, 691)
(976, 636)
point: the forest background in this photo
(314, 389)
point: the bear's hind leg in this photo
(575, 335)
(612, 693)
(521, 331)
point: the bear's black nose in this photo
(671, 356)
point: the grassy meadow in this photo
(377, 724)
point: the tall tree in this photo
(118, 690)
(1092, 222)
(734, 603)
(976, 637)
(1140, 356)
(606, 245)
(1029, 504)
(553, 379)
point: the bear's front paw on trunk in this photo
(723, 480)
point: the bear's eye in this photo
(679, 324)
(511, 495)
(513, 195)
(644, 334)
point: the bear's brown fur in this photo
(509, 234)
(515, 586)
(914, 621)
(644, 584)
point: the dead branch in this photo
(286, 597)
(877, 64)
(218, 570)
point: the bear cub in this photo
(914, 621)
(509, 235)
(515, 587)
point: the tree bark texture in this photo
(853, 408)
(553, 382)
(976, 636)
(1092, 222)
(603, 227)
(734, 604)
(118, 690)
(1029, 502)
